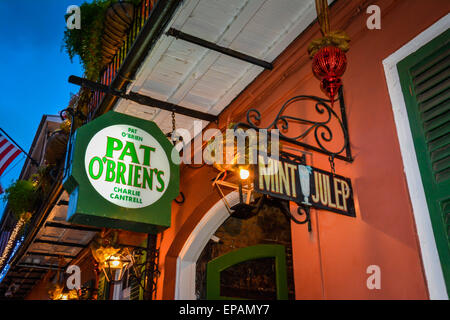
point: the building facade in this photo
(395, 103)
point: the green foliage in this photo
(87, 41)
(22, 197)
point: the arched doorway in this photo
(256, 272)
(219, 234)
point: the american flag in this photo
(8, 152)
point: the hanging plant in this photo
(328, 53)
(87, 42)
(22, 197)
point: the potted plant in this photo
(22, 197)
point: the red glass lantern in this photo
(329, 65)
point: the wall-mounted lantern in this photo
(113, 260)
(115, 266)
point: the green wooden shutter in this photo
(424, 77)
(135, 289)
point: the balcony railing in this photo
(141, 14)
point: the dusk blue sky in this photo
(34, 70)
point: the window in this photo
(424, 77)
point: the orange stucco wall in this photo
(331, 261)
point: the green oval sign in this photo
(121, 174)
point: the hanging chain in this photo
(331, 159)
(173, 122)
(173, 128)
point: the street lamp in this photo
(111, 258)
(114, 266)
(240, 181)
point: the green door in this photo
(257, 271)
(424, 77)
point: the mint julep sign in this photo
(121, 174)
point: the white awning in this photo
(194, 77)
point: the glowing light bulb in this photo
(244, 174)
(115, 262)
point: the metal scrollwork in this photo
(321, 130)
(301, 210)
(306, 213)
(141, 270)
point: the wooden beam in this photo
(61, 243)
(71, 227)
(50, 255)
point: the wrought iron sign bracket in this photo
(146, 271)
(320, 130)
(246, 209)
(283, 205)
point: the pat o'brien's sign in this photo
(304, 185)
(121, 174)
